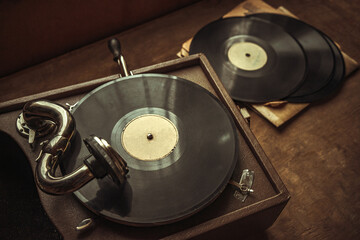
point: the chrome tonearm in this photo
(103, 160)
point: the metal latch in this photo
(245, 184)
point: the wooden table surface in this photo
(317, 154)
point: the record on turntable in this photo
(267, 57)
(157, 155)
(129, 129)
(180, 155)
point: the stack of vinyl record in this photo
(268, 57)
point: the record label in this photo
(247, 56)
(149, 137)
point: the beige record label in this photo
(247, 56)
(149, 137)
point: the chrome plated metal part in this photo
(36, 116)
(245, 184)
(246, 181)
(85, 224)
(115, 48)
(71, 107)
(123, 65)
(25, 131)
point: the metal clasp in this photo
(245, 184)
(31, 134)
(71, 107)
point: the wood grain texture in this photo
(35, 31)
(316, 154)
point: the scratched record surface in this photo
(183, 167)
(257, 61)
(317, 50)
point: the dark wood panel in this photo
(147, 44)
(35, 31)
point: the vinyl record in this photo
(256, 60)
(178, 140)
(333, 85)
(317, 50)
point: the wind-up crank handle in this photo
(115, 49)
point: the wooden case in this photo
(227, 216)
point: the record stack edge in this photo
(279, 112)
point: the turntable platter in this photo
(178, 140)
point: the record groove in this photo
(317, 50)
(333, 85)
(187, 179)
(276, 79)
